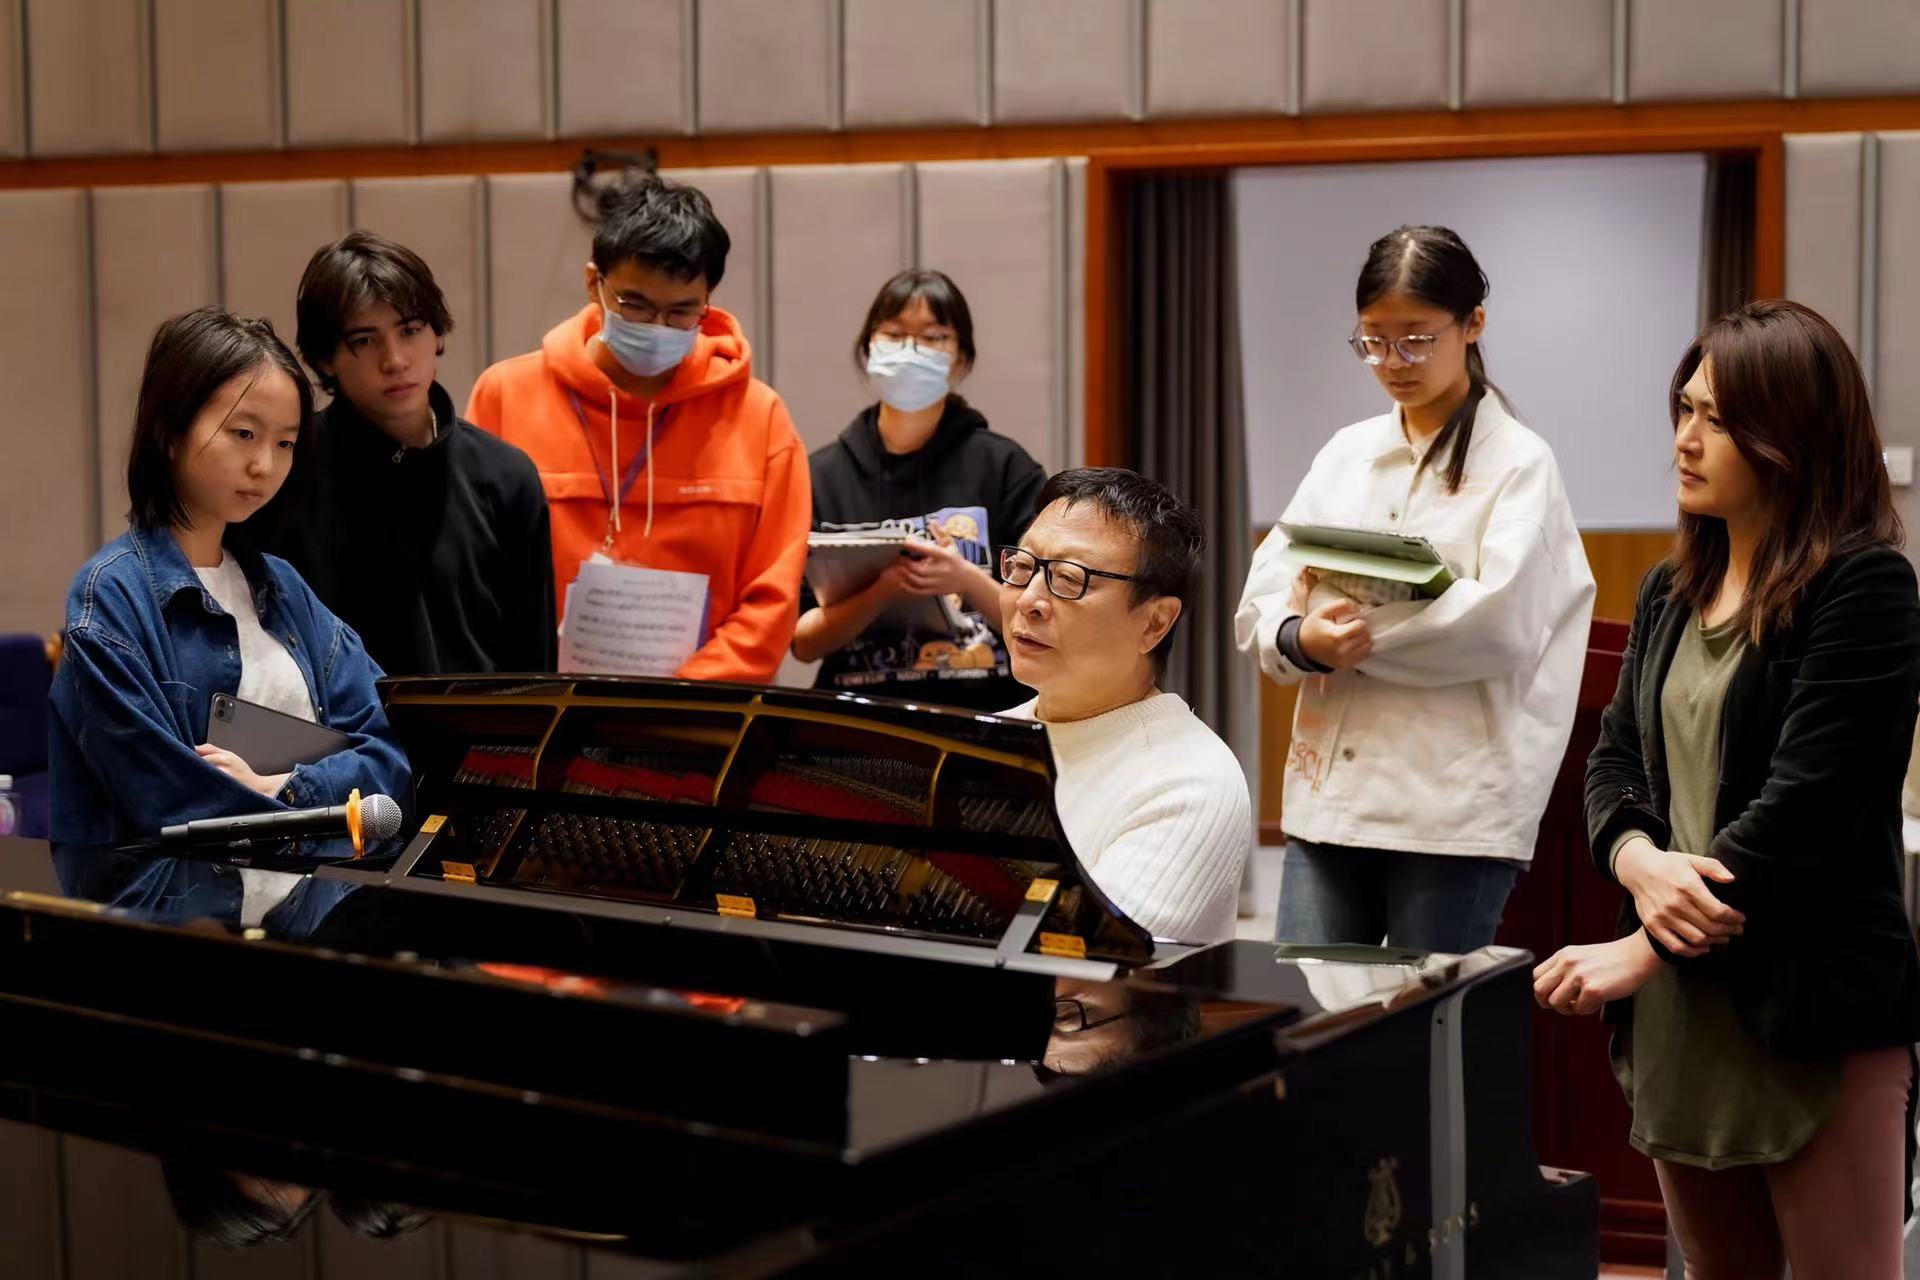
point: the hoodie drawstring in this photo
(648, 531)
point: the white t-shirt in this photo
(1156, 807)
(269, 677)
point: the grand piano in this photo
(769, 982)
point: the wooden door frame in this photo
(1109, 172)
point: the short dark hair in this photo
(191, 357)
(943, 299)
(357, 269)
(211, 1205)
(1173, 542)
(663, 225)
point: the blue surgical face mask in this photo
(644, 350)
(907, 377)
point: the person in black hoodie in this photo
(922, 458)
(426, 534)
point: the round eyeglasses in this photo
(1414, 348)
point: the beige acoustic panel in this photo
(474, 1253)
(839, 233)
(537, 252)
(1361, 58)
(1073, 442)
(1704, 49)
(46, 487)
(1525, 51)
(30, 1157)
(738, 198)
(1897, 309)
(1851, 47)
(441, 219)
(119, 1220)
(915, 62)
(350, 72)
(268, 231)
(155, 255)
(604, 90)
(345, 1254)
(1065, 60)
(291, 1261)
(483, 69)
(89, 72)
(1823, 226)
(1217, 57)
(767, 65)
(217, 74)
(997, 228)
(13, 87)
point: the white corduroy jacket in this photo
(1447, 739)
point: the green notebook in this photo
(1369, 553)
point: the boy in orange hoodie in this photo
(648, 393)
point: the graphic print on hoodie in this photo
(718, 479)
(981, 486)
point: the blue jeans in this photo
(1421, 901)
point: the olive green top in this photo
(1703, 1090)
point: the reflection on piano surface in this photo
(779, 982)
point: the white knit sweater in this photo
(1156, 807)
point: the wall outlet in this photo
(1899, 460)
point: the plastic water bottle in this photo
(9, 808)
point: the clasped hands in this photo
(1675, 906)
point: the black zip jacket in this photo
(439, 557)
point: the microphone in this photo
(371, 817)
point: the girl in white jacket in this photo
(1428, 732)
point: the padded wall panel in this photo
(767, 65)
(119, 1221)
(29, 1176)
(1859, 47)
(483, 69)
(1064, 60)
(350, 72)
(996, 228)
(1355, 61)
(288, 1261)
(155, 255)
(345, 1254)
(441, 219)
(217, 74)
(838, 235)
(738, 201)
(1704, 49)
(914, 62)
(89, 72)
(1073, 443)
(537, 253)
(268, 230)
(13, 99)
(1823, 226)
(476, 1254)
(1523, 51)
(1217, 57)
(1897, 324)
(599, 95)
(46, 486)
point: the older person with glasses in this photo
(1154, 804)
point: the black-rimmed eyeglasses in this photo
(1067, 579)
(1070, 1016)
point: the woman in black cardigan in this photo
(1746, 793)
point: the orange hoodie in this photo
(724, 489)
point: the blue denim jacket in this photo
(147, 647)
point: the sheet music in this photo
(622, 619)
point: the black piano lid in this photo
(863, 823)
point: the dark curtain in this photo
(1726, 241)
(1186, 424)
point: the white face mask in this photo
(907, 377)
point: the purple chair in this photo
(24, 680)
